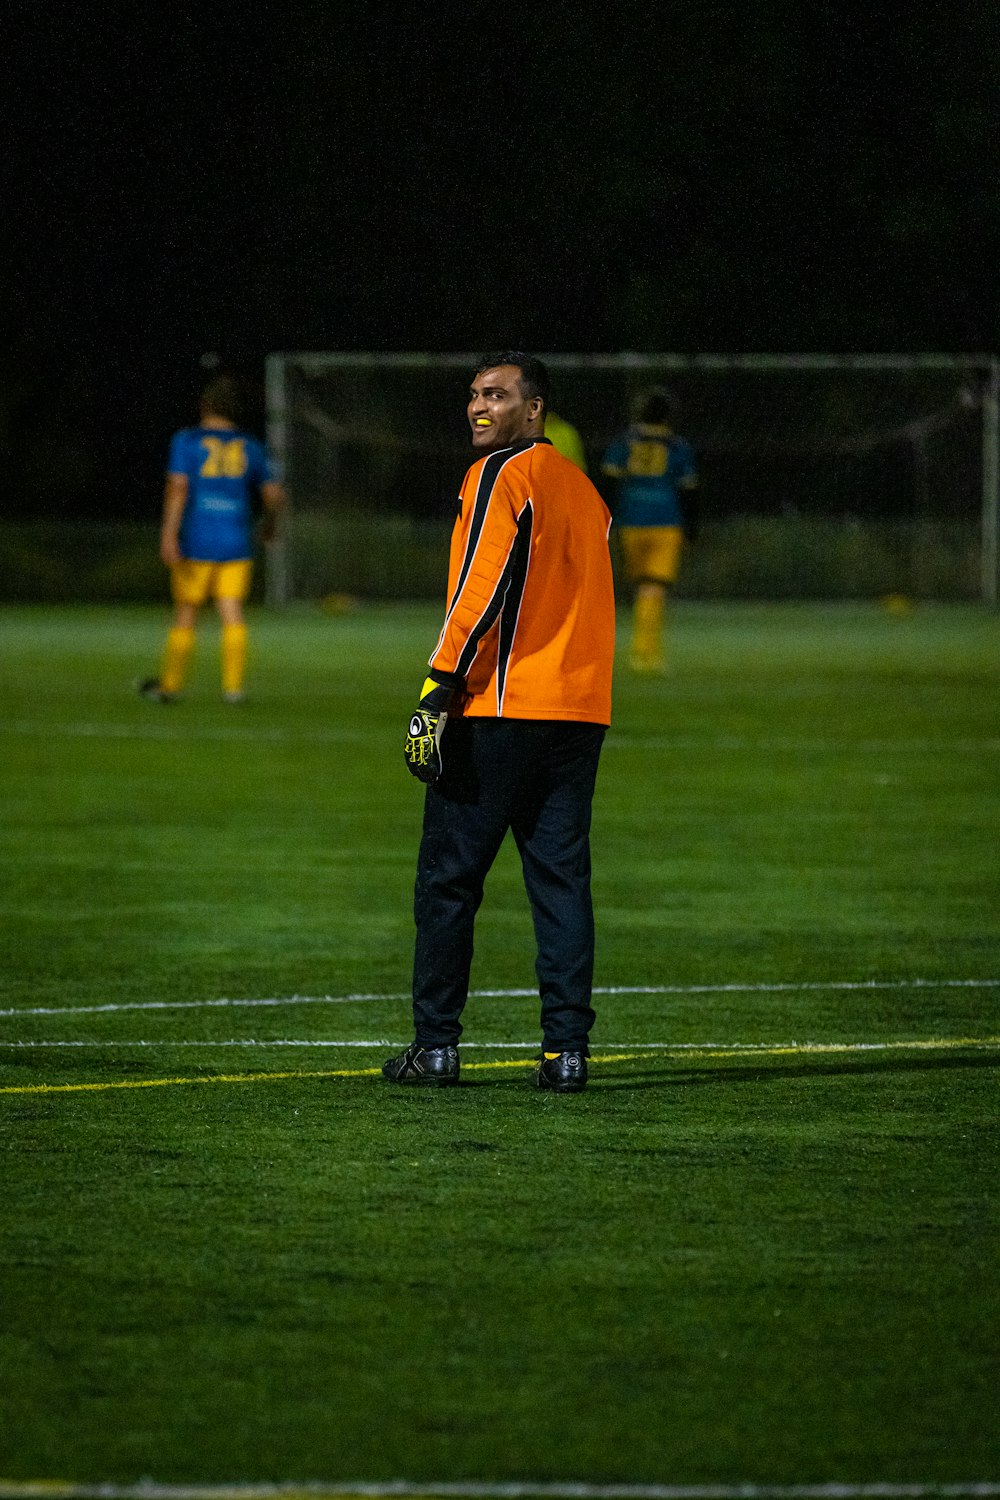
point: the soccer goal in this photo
(822, 476)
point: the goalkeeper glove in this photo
(422, 747)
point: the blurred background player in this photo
(654, 510)
(565, 439)
(214, 472)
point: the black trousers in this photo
(537, 779)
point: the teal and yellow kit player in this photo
(654, 510)
(214, 472)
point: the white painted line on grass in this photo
(802, 987)
(724, 1049)
(237, 1042)
(770, 744)
(111, 1006)
(185, 733)
(147, 1489)
(739, 744)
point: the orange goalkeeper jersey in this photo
(531, 613)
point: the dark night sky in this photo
(774, 176)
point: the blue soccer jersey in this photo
(652, 467)
(223, 468)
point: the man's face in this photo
(498, 413)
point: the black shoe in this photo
(150, 688)
(566, 1073)
(435, 1066)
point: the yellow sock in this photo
(647, 624)
(234, 657)
(176, 656)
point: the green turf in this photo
(774, 1266)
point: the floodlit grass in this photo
(716, 1266)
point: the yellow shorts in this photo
(652, 552)
(193, 581)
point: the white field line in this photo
(212, 734)
(767, 744)
(794, 744)
(513, 994)
(54, 1489)
(672, 1049)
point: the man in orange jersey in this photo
(508, 731)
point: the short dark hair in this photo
(223, 397)
(655, 406)
(534, 379)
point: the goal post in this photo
(991, 486)
(824, 475)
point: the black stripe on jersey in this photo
(487, 480)
(510, 582)
(518, 569)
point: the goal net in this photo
(821, 476)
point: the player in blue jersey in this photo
(654, 511)
(214, 472)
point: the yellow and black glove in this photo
(422, 747)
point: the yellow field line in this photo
(790, 1049)
(161, 1083)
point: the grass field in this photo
(761, 1250)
